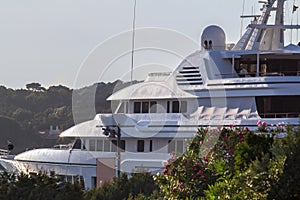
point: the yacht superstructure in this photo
(258, 79)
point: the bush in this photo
(235, 163)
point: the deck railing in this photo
(279, 115)
(254, 74)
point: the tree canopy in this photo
(36, 108)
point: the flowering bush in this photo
(209, 155)
(235, 163)
(264, 127)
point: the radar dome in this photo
(213, 37)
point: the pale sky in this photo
(79, 42)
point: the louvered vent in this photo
(189, 76)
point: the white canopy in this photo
(151, 89)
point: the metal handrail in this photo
(279, 115)
(253, 74)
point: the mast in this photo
(133, 42)
(263, 36)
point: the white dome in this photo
(213, 37)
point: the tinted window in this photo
(145, 107)
(150, 146)
(175, 106)
(140, 145)
(153, 107)
(99, 145)
(106, 145)
(92, 145)
(137, 107)
(183, 107)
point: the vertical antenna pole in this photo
(242, 20)
(133, 41)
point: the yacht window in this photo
(123, 145)
(121, 108)
(92, 145)
(150, 146)
(168, 106)
(69, 179)
(126, 107)
(175, 106)
(77, 144)
(153, 107)
(94, 181)
(145, 107)
(183, 107)
(140, 145)
(171, 146)
(137, 107)
(106, 145)
(114, 146)
(278, 106)
(176, 146)
(179, 147)
(99, 145)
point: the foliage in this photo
(35, 87)
(37, 186)
(34, 109)
(235, 163)
(210, 155)
(287, 187)
(138, 186)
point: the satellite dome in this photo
(213, 37)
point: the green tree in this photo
(35, 87)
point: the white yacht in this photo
(257, 79)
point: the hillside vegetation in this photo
(25, 112)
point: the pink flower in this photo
(200, 172)
(203, 177)
(201, 142)
(259, 123)
(180, 186)
(165, 171)
(173, 190)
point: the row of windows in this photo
(106, 145)
(176, 107)
(145, 107)
(278, 106)
(153, 107)
(175, 146)
(111, 146)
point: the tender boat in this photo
(257, 79)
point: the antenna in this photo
(242, 20)
(133, 41)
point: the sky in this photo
(79, 42)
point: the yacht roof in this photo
(166, 89)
